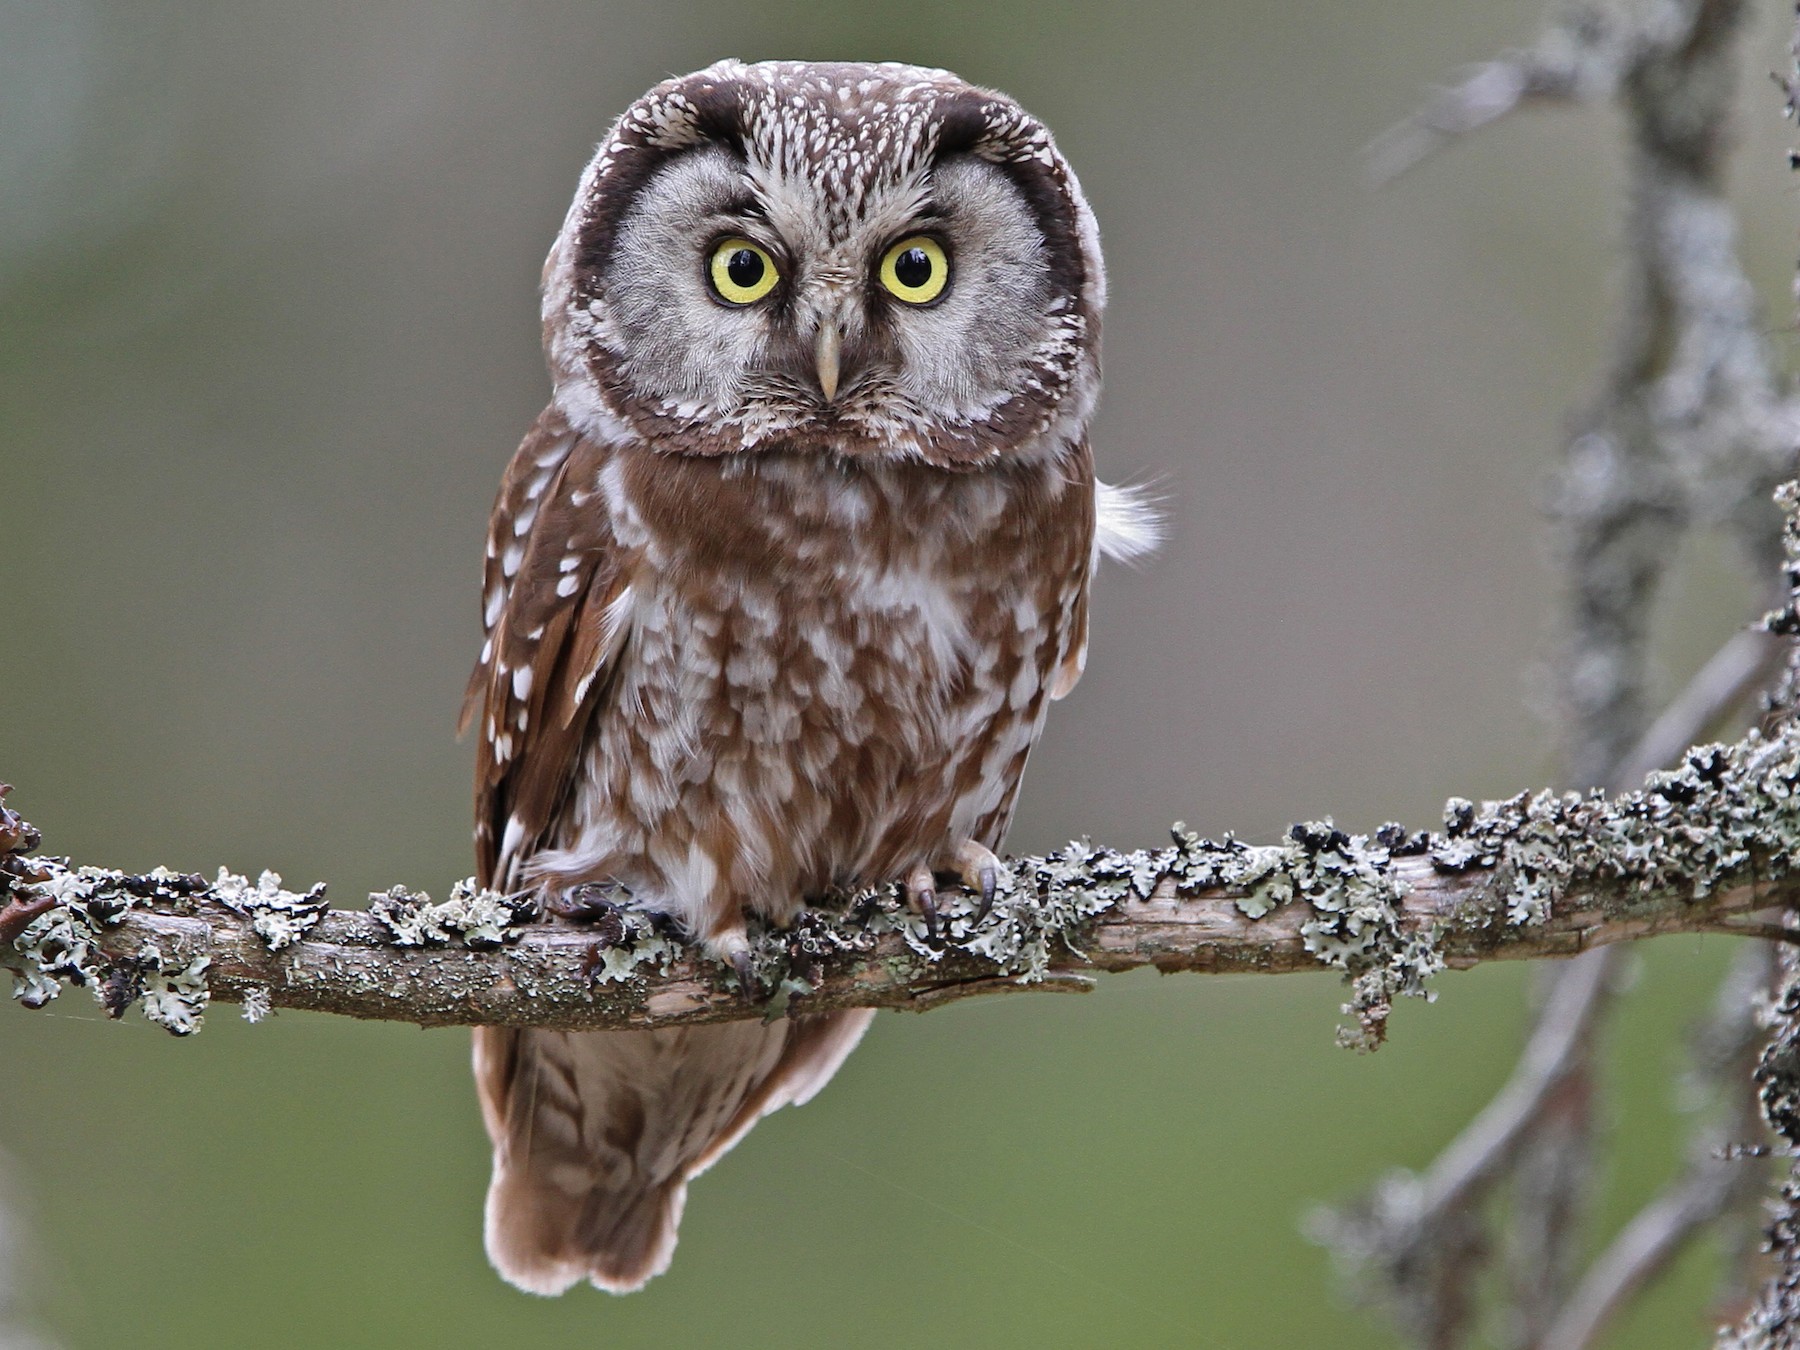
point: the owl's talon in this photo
(990, 882)
(921, 890)
(748, 988)
(981, 869)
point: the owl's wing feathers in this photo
(595, 1134)
(554, 595)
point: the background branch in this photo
(1689, 429)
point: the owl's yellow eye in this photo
(916, 270)
(742, 272)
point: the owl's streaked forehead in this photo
(852, 131)
(848, 133)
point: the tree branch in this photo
(1538, 875)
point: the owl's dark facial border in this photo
(963, 129)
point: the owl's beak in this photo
(826, 349)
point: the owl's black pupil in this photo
(744, 267)
(912, 269)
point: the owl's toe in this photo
(731, 946)
(748, 986)
(921, 889)
(981, 870)
(591, 902)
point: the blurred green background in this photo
(268, 336)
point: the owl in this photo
(780, 585)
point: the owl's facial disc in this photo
(754, 299)
(854, 260)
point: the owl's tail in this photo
(596, 1134)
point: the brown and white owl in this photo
(780, 585)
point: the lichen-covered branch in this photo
(1538, 875)
(1690, 428)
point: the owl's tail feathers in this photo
(596, 1134)
(544, 1237)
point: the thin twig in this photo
(1718, 1176)
(1578, 60)
(1745, 663)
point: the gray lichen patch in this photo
(482, 919)
(1357, 924)
(632, 948)
(1727, 813)
(62, 946)
(280, 918)
(174, 992)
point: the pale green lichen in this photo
(482, 919)
(1356, 924)
(62, 946)
(280, 918)
(174, 992)
(1038, 905)
(637, 948)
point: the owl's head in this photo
(865, 260)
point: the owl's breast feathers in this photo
(736, 683)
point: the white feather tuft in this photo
(1127, 524)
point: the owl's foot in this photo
(731, 946)
(591, 902)
(921, 889)
(978, 868)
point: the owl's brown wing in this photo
(553, 603)
(595, 1134)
